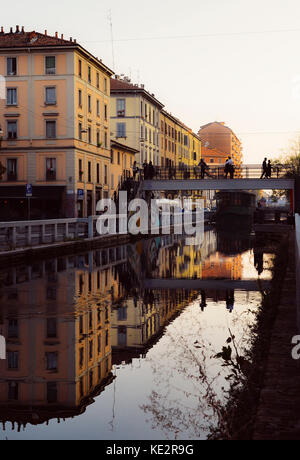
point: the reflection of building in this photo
(56, 126)
(56, 318)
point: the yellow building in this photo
(122, 161)
(135, 117)
(55, 121)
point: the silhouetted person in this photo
(134, 170)
(146, 170)
(264, 169)
(229, 168)
(203, 168)
(151, 171)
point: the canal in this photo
(94, 353)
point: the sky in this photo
(233, 61)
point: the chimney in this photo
(23, 30)
(17, 29)
(71, 39)
(2, 30)
(62, 36)
(46, 32)
(56, 34)
(11, 30)
(75, 41)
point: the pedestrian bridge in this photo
(246, 177)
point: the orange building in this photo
(213, 156)
(217, 135)
(55, 124)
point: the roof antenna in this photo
(112, 37)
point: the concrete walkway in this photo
(278, 415)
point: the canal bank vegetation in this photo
(236, 417)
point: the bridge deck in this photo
(218, 184)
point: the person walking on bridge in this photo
(264, 169)
(229, 168)
(269, 170)
(203, 168)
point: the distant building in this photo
(55, 121)
(122, 160)
(213, 157)
(135, 117)
(217, 135)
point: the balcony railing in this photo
(50, 175)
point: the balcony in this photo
(12, 177)
(50, 175)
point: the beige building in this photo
(55, 123)
(135, 119)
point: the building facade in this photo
(122, 160)
(135, 118)
(55, 124)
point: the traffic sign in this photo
(28, 190)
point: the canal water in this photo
(112, 344)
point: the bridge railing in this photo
(215, 172)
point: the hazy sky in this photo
(228, 60)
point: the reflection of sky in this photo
(248, 269)
(170, 371)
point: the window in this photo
(105, 174)
(98, 80)
(98, 173)
(99, 344)
(12, 129)
(89, 135)
(51, 169)
(80, 98)
(13, 391)
(89, 74)
(50, 95)
(91, 349)
(105, 140)
(119, 158)
(51, 328)
(91, 378)
(146, 134)
(106, 338)
(51, 129)
(50, 65)
(81, 357)
(98, 138)
(51, 361)
(11, 96)
(12, 172)
(122, 313)
(89, 103)
(80, 324)
(80, 131)
(121, 107)
(98, 108)
(105, 112)
(146, 111)
(112, 181)
(89, 172)
(80, 170)
(13, 359)
(11, 66)
(105, 85)
(121, 130)
(51, 392)
(142, 132)
(112, 156)
(13, 329)
(80, 68)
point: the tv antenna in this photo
(112, 37)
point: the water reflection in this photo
(72, 323)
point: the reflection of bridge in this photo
(247, 177)
(198, 284)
